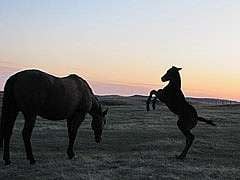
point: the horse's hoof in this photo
(148, 109)
(7, 162)
(71, 155)
(32, 162)
(180, 157)
(154, 107)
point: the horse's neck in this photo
(95, 106)
(176, 83)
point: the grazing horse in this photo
(173, 97)
(34, 92)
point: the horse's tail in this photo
(9, 111)
(206, 121)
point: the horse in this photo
(173, 97)
(37, 93)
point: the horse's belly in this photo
(52, 115)
(57, 111)
(175, 108)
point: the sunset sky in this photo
(125, 46)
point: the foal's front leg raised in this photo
(158, 95)
(73, 125)
(154, 101)
(153, 92)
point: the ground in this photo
(136, 145)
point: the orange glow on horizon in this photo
(196, 85)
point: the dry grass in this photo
(136, 145)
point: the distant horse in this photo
(173, 97)
(34, 92)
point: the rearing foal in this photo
(173, 97)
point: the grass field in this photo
(136, 145)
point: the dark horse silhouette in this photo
(34, 92)
(173, 97)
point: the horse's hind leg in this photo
(9, 120)
(27, 133)
(189, 140)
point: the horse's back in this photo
(43, 94)
(30, 89)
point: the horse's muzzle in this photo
(163, 79)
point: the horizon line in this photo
(194, 97)
(145, 95)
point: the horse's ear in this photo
(105, 112)
(178, 69)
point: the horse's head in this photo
(98, 122)
(171, 74)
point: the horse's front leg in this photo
(73, 125)
(158, 95)
(154, 101)
(26, 134)
(150, 98)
